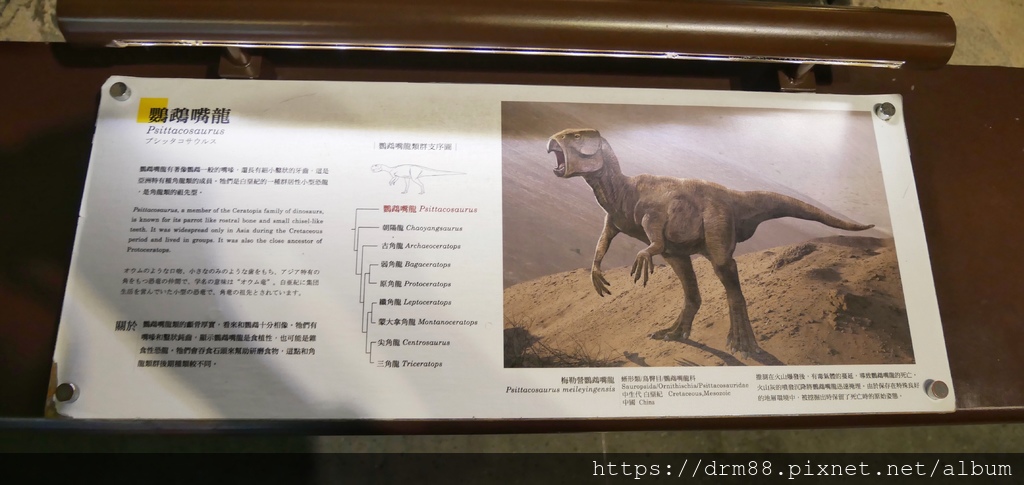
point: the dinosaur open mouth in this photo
(559, 156)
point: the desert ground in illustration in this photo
(814, 294)
(825, 302)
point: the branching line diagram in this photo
(363, 272)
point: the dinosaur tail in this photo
(435, 173)
(770, 205)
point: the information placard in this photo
(340, 250)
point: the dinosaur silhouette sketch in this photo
(677, 218)
(410, 173)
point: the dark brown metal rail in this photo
(719, 30)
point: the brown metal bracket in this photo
(798, 79)
(238, 63)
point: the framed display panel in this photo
(319, 250)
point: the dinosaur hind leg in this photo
(720, 242)
(741, 334)
(417, 182)
(691, 303)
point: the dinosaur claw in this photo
(742, 347)
(643, 266)
(600, 283)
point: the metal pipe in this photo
(621, 28)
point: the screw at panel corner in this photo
(885, 111)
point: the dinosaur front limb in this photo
(394, 178)
(603, 243)
(654, 227)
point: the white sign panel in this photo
(273, 249)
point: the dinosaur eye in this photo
(577, 136)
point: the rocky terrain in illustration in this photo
(829, 301)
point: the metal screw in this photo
(936, 389)
(885, 111)
(66, 392)
(120, 91)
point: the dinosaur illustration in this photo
(677, 218)
(410, 173)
